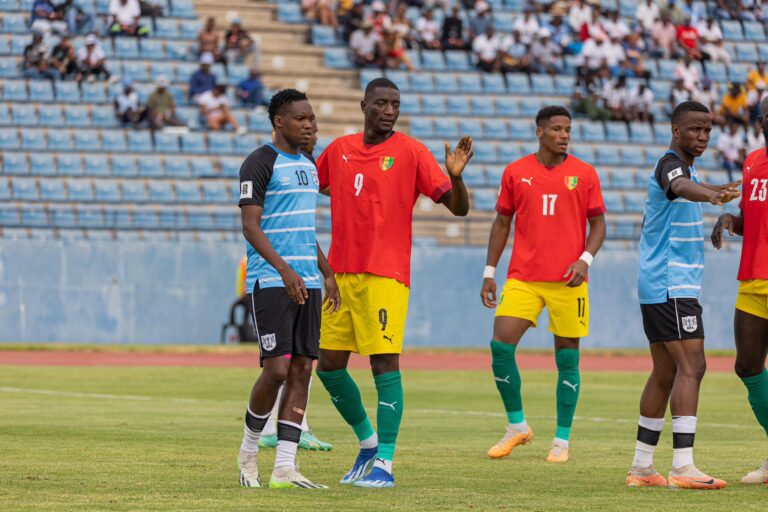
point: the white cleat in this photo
(288, 477)
(249, 469)
(758, 476)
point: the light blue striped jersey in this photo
(672, 239)
(286, 186)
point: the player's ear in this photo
(539, 131)
(362, 106)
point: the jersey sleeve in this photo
(595, 203)
(430, 178)
(669, 171)
(505, 204)
(255, 174)
(323, 171)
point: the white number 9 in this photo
(358, 183)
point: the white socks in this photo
(648, 432)
(288, 435)
(251, 436)
(371, 442)
(518, 427)
(683, 434)
(386, 465)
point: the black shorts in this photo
(284, 327)
(676, 319)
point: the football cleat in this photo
(558, 454)
(269, 441)
(688, 477)
(288, 477)
(645, 477)
(376, 479)
(308, 441)
(361, 467)
(511, 439)
(758, 476)
(249, 469)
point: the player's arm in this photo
(717, 188)
(733, 223)
(578, 270)
(457, 199)
(497, 240)
(251, 218)
(332, 299)
(686, 188)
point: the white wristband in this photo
(587, 258)
(489, 272)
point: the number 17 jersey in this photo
(551, 208)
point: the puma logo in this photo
(385, 404)
(499, 379)
(335, 398)
(529, 181)
(572, 386)
(388, 338)
(748, 168)
(344, 157)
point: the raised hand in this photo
(456, 160)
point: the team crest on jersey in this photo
(571, 182)
(268, 341)
(689, 323)
(386, 162)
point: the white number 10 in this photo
(548, 206)
(358, 183)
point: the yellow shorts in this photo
(753, 297)
(568, 307)
(371, 319)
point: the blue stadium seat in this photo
(289, 12)
(90, 217)
(97, 165)
(139, 142)
(9, 138)
(400, 78)
(518, 83)
(14, 23)
(410, 104)
(50, 115)
(178, 50)
(471, 126)
(607, 155)
(52, 189)
(337, 58)
(543, 84)
(485, 152)
(152, 49)
(34, 216)
(188, 192)
(484, 199)
(434, 104)
(19, 42)
(614, 201)
(124, 166)
(432, 60)
(642, 133)
(631, 155)
(24, 189)
(366, 75)
(446, 82)
(753, 31)
(166, 143)
(521, 129)
(244, 144)
(106, 191)
(166, 69)
(531, 106)
(415, 57)
(592, 131)
(474, 176)
(494, 84)
(200, 220)
(151, 166)
(746, 52)
(127, 48)
(24, 115)
(483, 106)
(259, 122)
(622, 178)
(494, 172)
(495, 129)
(40, 91)
(134, 192)
(421, 82)
(9, 5)
(8, 67)
(446, 129)
(135, 70)
(707, 161)
(5, 47)
(42, 164)
(605, 178)
(177, 167)
(230, 167)
(564, 85)
(60, 140)
(14, 163)
(456, 105)
(508, 152)
(76, 116)
(666, 69)
(161, 192)
(457, 60)
(470, 83)
(716, 71)
(504, 21)
(762, 51)
(193, 143)
(103, 117)
(62, 216)
(731, 30)
(634, 201)
(661, 88)
(70, 165)
(94, 92)
(67, 92)
(737, 72)
(32, 138)
(221, 143)
(323, 35)
(87, 140)
(15, 90)
(80, 190)
(215, 192)
(507, 106)
(617, 132)
(167, 27)
(5, 194)
(421, 127)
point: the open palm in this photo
(456, 160)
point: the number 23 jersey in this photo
(754, 207)
(373, 191)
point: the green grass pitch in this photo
(167, 439)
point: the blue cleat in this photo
(363, 464)
(377, 478)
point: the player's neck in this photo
(371, 138)
(683, 154)
(283, 145)
(549, 159)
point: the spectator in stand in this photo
(664, 35)
(688, 73)
(251, 90)
(486, 49)
(545, 55)
(635, 50)
(695, 11)
(755, 138)
(514, 56)
(615, 95)
(733, 107)
(527, 25)
(754, 98)
(731, 149)
(214, 109)
(674, 11)
(592, 58)
(124, 18)
(558, 28)
(91, 60)
(593, 28)
(711, 38)
(364, 46)
(587, 101)
(615, 26)
(640, 103)
(161, 107)
(579, 13)
(453, 31)
(614, 57)
(428, 31)
(403, 26)
(209, 41)
(35, 63)
(707, 97)
(379, 18)
(63, 58)
(732, 10)
(202, 80)
(239, 46)
(479, 23)
(78, 21)
(354, 20)
(46, 19)
(688, 39)
(759, 74)
(127, 107)
(320, 10)
(647, 14)
(393, 52)
(677, 95)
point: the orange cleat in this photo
(645, 477)
(688, 477)
(510, 440)
(558, 454)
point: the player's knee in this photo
(275, 374)
(385, 363)
(745, 369)
(300, 369)
(694, 369)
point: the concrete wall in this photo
(180, 292)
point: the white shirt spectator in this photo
(613, 53)
(709, 34)
(578, 15)
(547, 54)
(647, 15)
(754, 97)
(689, 75)
(527, 28)
(641, 101)
(729, 145)
(755, 141)
(591, 55)
(211, 103)
(362, 43)
(94, 58)
(487, 48)
(428, 30)
(680, 95)
(615, 97)
(705, 97)
(615, 29)
(125, 14)
(127, 102)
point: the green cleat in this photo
(268, 441)
(308, 441)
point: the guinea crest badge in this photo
(386, 162)
(571, 182)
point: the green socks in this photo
(507, 378)
(346, 397)
(389, 412)
(568, 385)
(757, 390)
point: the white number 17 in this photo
(548, 206)
(358, 183)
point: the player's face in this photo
(555, 134)
(312, 141)
(381, 109)
(692, 132)
(296, 123)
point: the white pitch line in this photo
(454, 412)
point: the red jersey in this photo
(373, 191)
(552, 208)
(687, 36)
(754, 208)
